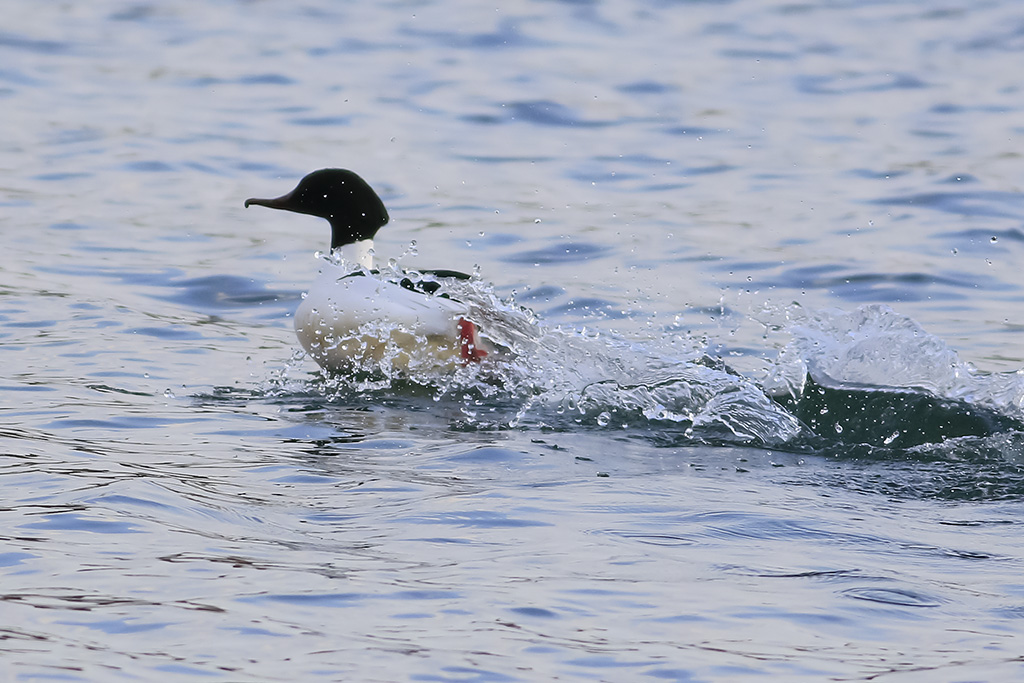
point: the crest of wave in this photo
(873, 345)
(558, 377)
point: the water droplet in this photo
(994, 239)
(168, 393)
(537, 220)
(603, 419)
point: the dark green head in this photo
(349, 204)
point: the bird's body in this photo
(353, 318)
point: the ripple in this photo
(266, 79)
(665, 540)
(646, 88)
(486, 454)
(977, 203)
(74, 521)
(861, 287)
(563, 252)
(60, 177)
(120, 626)
(479, 519)
(310, 599)
(174, 332)
(539, 112)
(216, 293)
(149, 166)
(978, 240)
(321, 121)
(899, 597)
(848, 84)
(536, 612)
(47, 47)
(17, 77)
(506, 35)
(15, 558)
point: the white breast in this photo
(348, 319)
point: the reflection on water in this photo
(693, 468)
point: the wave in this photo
(869, 380)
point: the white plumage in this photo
(352, 318)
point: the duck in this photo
(353, 317)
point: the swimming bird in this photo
(351, 316)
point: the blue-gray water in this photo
(183, 499)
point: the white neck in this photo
(357, 254)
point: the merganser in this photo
(350, 316)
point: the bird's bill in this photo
(281, 202)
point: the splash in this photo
(549, 377)
(868, 377)
(874, 346)
(874, 378)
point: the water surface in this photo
(785, 187)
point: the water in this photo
(700, 202)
